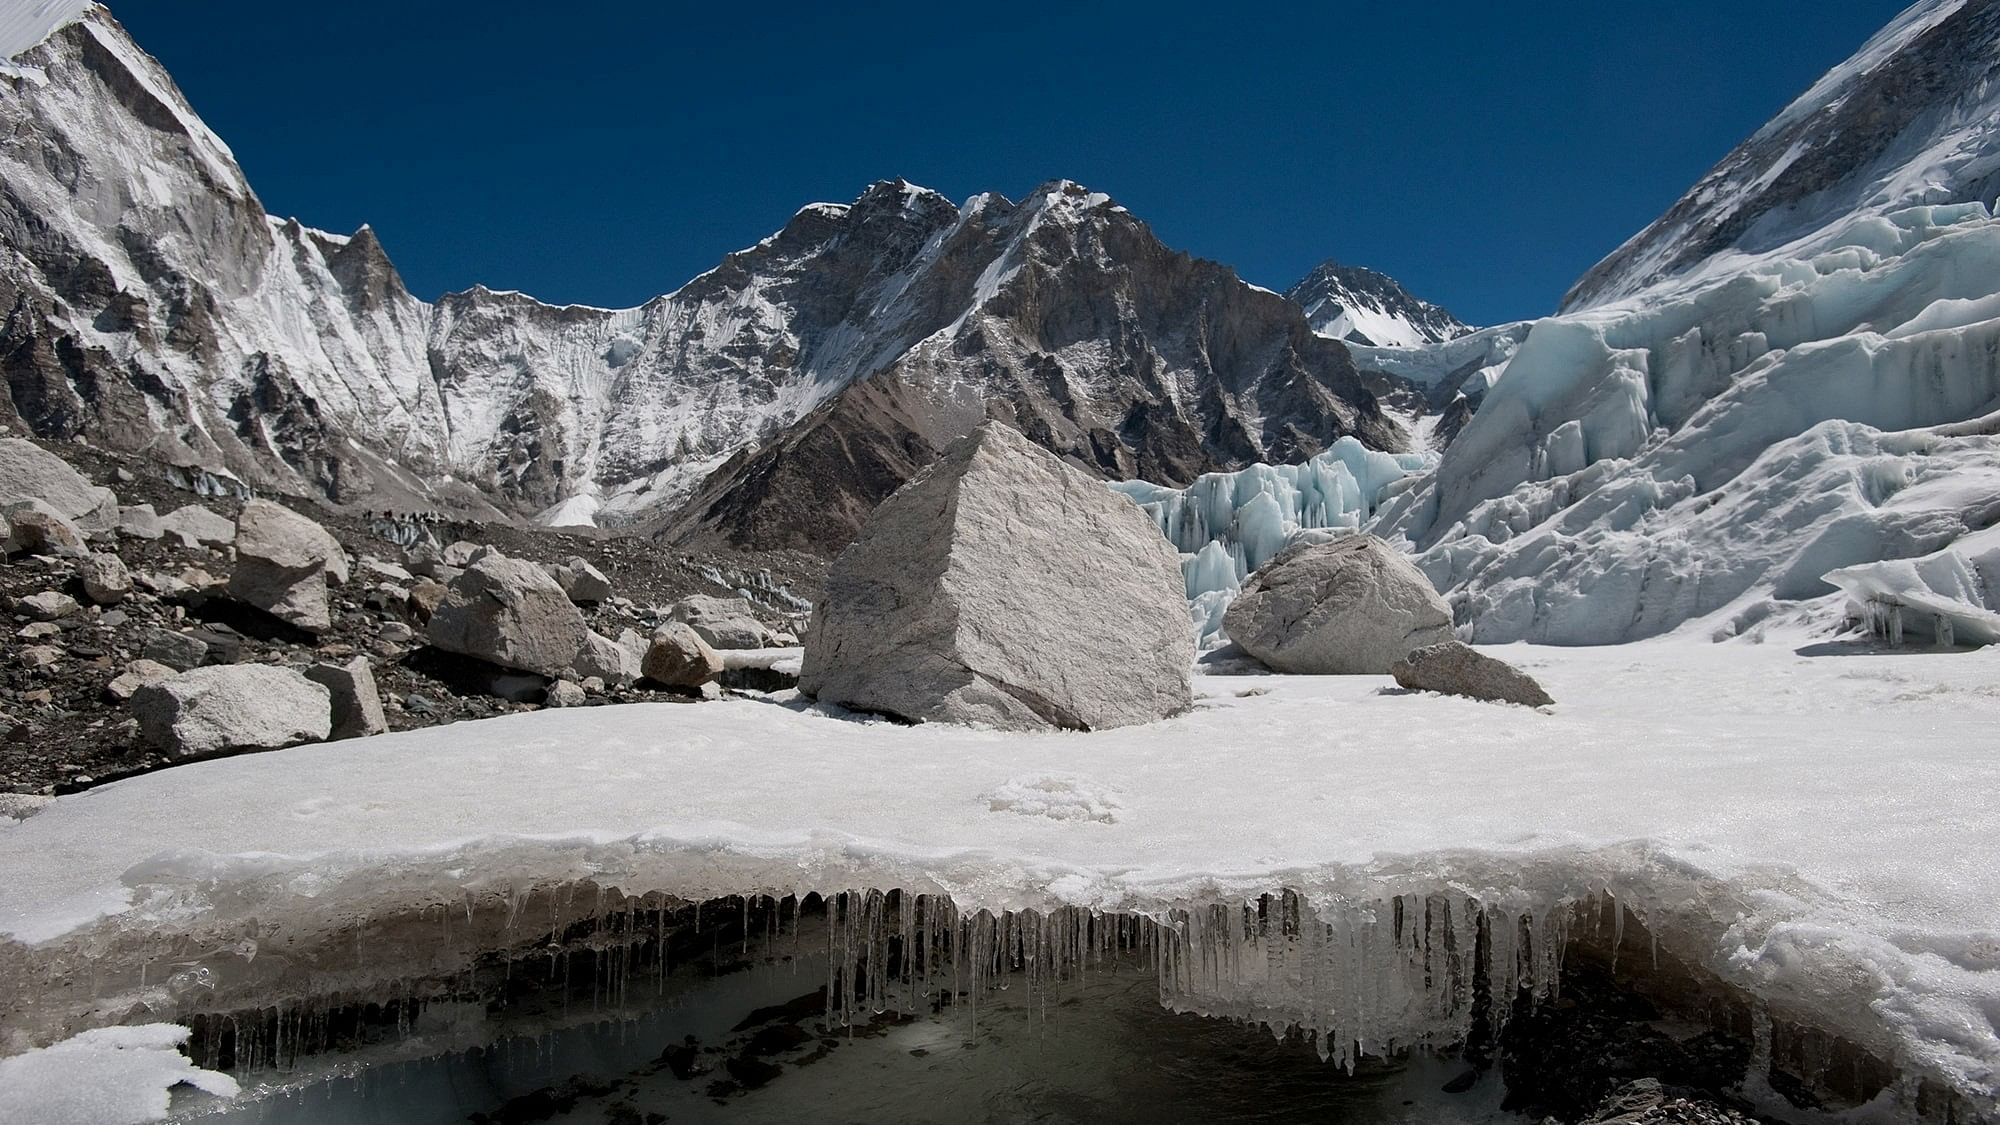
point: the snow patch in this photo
(1056, 796)
(104, 1076)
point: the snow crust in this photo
(25, 23)
(105, 1076)
(1816, 829)
(1227, 525)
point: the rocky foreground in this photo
(160, 615)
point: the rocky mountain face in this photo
(1368, 307)
(151, 304)
(1912, 118)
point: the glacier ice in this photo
(1227, 525)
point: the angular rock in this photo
(460, 554)
(283, 562)
(1002, 586)
(678, 657)
(49, 605)
(425, 595)
(725, 623)
(1350, 606)
(607, 660)
(37, 528)
(136, 675)
(357, 705)
(564, 693)
(105, 579)
(1457, 669)
(232, 707)
(511, 613)
(196, 526)
(140, 522)
(584, 583)
(29, 472)
(377, 569)
(41, 656)
(179, 651)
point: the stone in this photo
(104, 578)
(425, 595)
(232, 707)
(283, 564)
(564, 693)
(460, 554)
(140, 522)
(584, 583)
(1458, 669)
(49, 605)
(37, 528)
(511, 613)
(607, 660)
(395, 632)
(39, 630)
(725, 623)
(136, 675)
(179, 651)
(1351, 606)
(357, 705)
(41, 656)
(1004, 587)
(29, 472)
(196, 526)
(379, 570)
(679, 658)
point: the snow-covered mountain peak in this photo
(1913, 118)
(26, 23)
(1363, 306)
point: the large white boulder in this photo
(511, 613)
(283, 564)
(232, 707)
(1004, 587)
(29, 472)
(1350, 606)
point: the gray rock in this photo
(563, 693)
(1457, 669)
(140, 522)
(41, 656)
(1002, 586)
(232, 707)
(49, 605)
(196, 526)
(378, 570)
(136, 675)
(607, 660)
(584, 583)
(511, 613)
(283, 563)
(424, 596)
(460, 554)
(39, 630)
(29, 472)
(105, 579)
(725, 623)
(37, 528)
(179, 651)
(678, 657)
(1350, 606)
(357, 705)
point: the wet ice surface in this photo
(1096, 1048)
(1814, 825)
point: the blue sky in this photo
(1486, 154)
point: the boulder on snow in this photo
(1349, 606)
(29, 472)
(584, 583)
(678, 657)
(1002, 586)
(196, 526)
(1457, 669)
(232, 707)
(36, 527)
(283, 563)
(725, 623)
(511, 613)
(104, 578)
(564, 693)
(357, 705)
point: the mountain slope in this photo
(1912, 118)
(1364, 306)
(151, 304)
